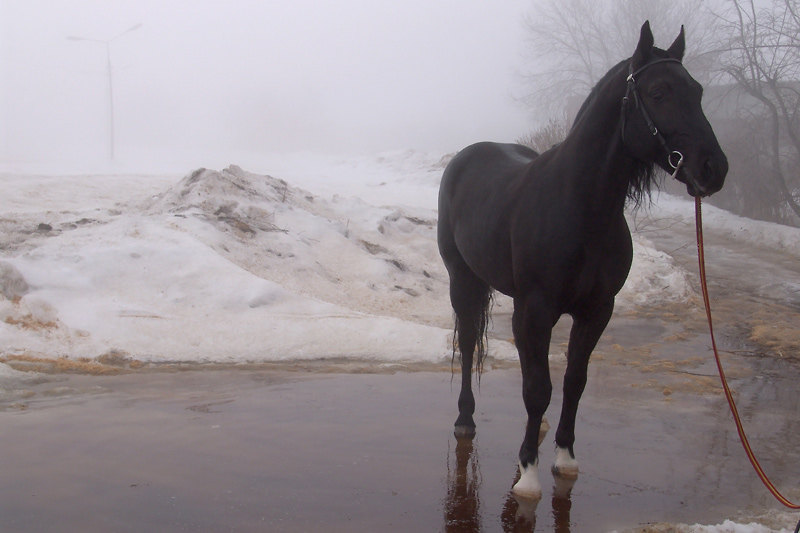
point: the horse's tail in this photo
(480, 326)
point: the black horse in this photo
(549, 230)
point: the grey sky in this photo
(204, 76)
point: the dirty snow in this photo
(326, 257)
(230, 265)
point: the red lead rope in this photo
(742, 437)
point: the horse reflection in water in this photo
(462, 507)
(462, 510)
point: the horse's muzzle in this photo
(708, 178)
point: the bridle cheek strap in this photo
(674, 157)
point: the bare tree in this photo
(762, 55)
(746, 53)
(572, 43)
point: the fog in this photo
(205, 82)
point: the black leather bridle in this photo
(674, 157)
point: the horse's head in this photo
(663, 121)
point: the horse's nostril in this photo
(708, 168)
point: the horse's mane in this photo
(644, 178)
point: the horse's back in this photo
(488, 161)
(474, 204)
(481, 170)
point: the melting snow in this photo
(233, 266)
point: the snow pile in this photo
(654, 278)
(235, 266)
(376, 260)
(232, 266)
(756, 232)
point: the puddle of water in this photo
(272, 451)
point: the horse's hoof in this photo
(565, 466)
(528, 485)
(464, 432)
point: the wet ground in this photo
(280, 449)
(328, 446)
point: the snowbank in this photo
(756, 232)
(230, 266)
(235, 266)
(654, 278)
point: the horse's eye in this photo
(657, 94)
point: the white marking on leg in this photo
(528, 485)
(565, 466)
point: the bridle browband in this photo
(632, 89)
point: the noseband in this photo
(674, 157)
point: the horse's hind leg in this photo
(470, 299)
(583, 338)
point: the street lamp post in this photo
(107, 43)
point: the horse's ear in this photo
(644, 47)
(677, 48)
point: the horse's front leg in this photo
(532, 326)
(583, 337)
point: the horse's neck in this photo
(603, 170)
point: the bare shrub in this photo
(547, 136)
